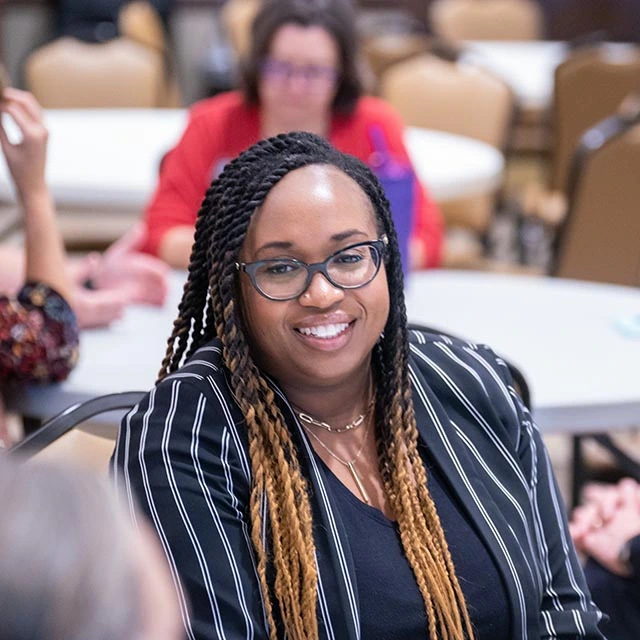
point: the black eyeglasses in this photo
(287, 278)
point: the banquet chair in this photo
(71, 437)
(429, 91)
(588, 86)
(237, 17)
(599, 239)
(138, 20)
(458, 20)
(68, 73)
(382, 50)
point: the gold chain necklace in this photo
(350, 464)
(307, 419)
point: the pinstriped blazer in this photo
(183, 454)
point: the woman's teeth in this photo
(324, 330)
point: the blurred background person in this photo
(301, 74)
(99, 286)
(38, 329)
(71, 565)
(606, 529)
(102, 285)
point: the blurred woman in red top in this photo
(301, 74)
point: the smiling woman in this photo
(316, 472)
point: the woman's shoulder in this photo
(420, 334)
(431, 345)
(462, 371)
(223, 105)
(198, 392)
(203, 368)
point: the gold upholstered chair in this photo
(431, 92)
(458, 20)
(599, 239)
(588, 86)
(68, 73)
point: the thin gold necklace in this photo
(306, 418)
(350, 464)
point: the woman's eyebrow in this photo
(276, 244)
(343, 235)
(336, 237)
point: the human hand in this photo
(609, 518)
(139, 277)
(599, 503)
(26, 159)
(95, 309)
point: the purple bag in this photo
(398, 181)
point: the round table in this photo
(568, 337)
(108, 159)
(528, 67)
(563, 334)
(104, 158)
(453, 166)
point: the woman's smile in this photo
(327, 337)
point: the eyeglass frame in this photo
(287, 70)
(250, 268)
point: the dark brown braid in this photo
(209, 308)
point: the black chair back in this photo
(70, 418)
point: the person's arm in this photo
(39, 333)
(175, 246)
(117, 278)
(11, 269)
(184, 176)
(45, 255)
(179, 455)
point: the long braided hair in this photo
(210, 308)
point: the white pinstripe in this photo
(182, 600)
(469, 486)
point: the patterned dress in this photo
(38, 338)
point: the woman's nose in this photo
(321, 293)
(297, 85)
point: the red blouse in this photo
(220, 128)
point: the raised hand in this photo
(26, 158)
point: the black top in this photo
(390, 602)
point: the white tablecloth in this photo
(109, 159)
(526, 66)
(454, 166)
(563, 335)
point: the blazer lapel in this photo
(439, 434)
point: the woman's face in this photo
(299, 78)
(324, 337)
